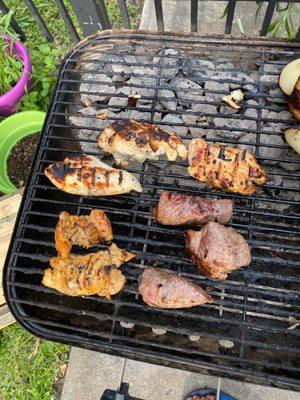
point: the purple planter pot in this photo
(9, 101)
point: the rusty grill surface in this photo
(250, 332)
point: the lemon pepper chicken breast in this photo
(88, 176)
(224, 167)
(84, 230)
(132, 140)
(95, 273)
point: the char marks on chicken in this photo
(217, 250)
(224, 167)
(183, 209)
(84, 230)
(132, 140)
(88, 176)
(166, 290)
(95, 273)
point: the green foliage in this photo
(28, 371)
(134, 11)
(45, 60)
(45, 57)
(283, 18)
(10, 66)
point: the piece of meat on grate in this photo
(84, 230)
(166, 290)
(183, 209)
(224, 167)
(129, 139)
(88, 176)
(82, 275)
(217, 250)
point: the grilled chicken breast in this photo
(95, 273)
(88, 176)
(183, 209)
(130, 139)
(226, 168)
(165, 290)
(217, 250)
(84, 230)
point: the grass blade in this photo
(240, 26)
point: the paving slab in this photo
(177, 17)
(90, 373)
(209, 13)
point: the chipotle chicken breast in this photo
(88, 176)
(83, 275)
(224, 167)
(84, 230)
(165, 290)
(182, 209)
(132, 140)
(217, 250)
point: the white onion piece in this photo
(292, 136)
(289, 76)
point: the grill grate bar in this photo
(264, 311)
(255, 307)
(193, 191)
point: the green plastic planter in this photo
(13, 129)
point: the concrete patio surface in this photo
(90, 373)
(177, 17)
(209, 16)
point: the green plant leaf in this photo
(45, 49)
(259, 6)
(225, 11)
(273, 25)
(288, 28)
(240, 26)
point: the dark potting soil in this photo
(20, 159)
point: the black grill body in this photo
(250, 332)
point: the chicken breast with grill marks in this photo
(226, 168)
(88, 176)
(95, 273)
(132, 140)
(84, 230)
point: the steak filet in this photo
(165, 290)
(183, 209)
(217, 250)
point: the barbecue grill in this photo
(250, 331)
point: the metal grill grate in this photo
(247, 332)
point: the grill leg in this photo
(218, 389)
(122, 394)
